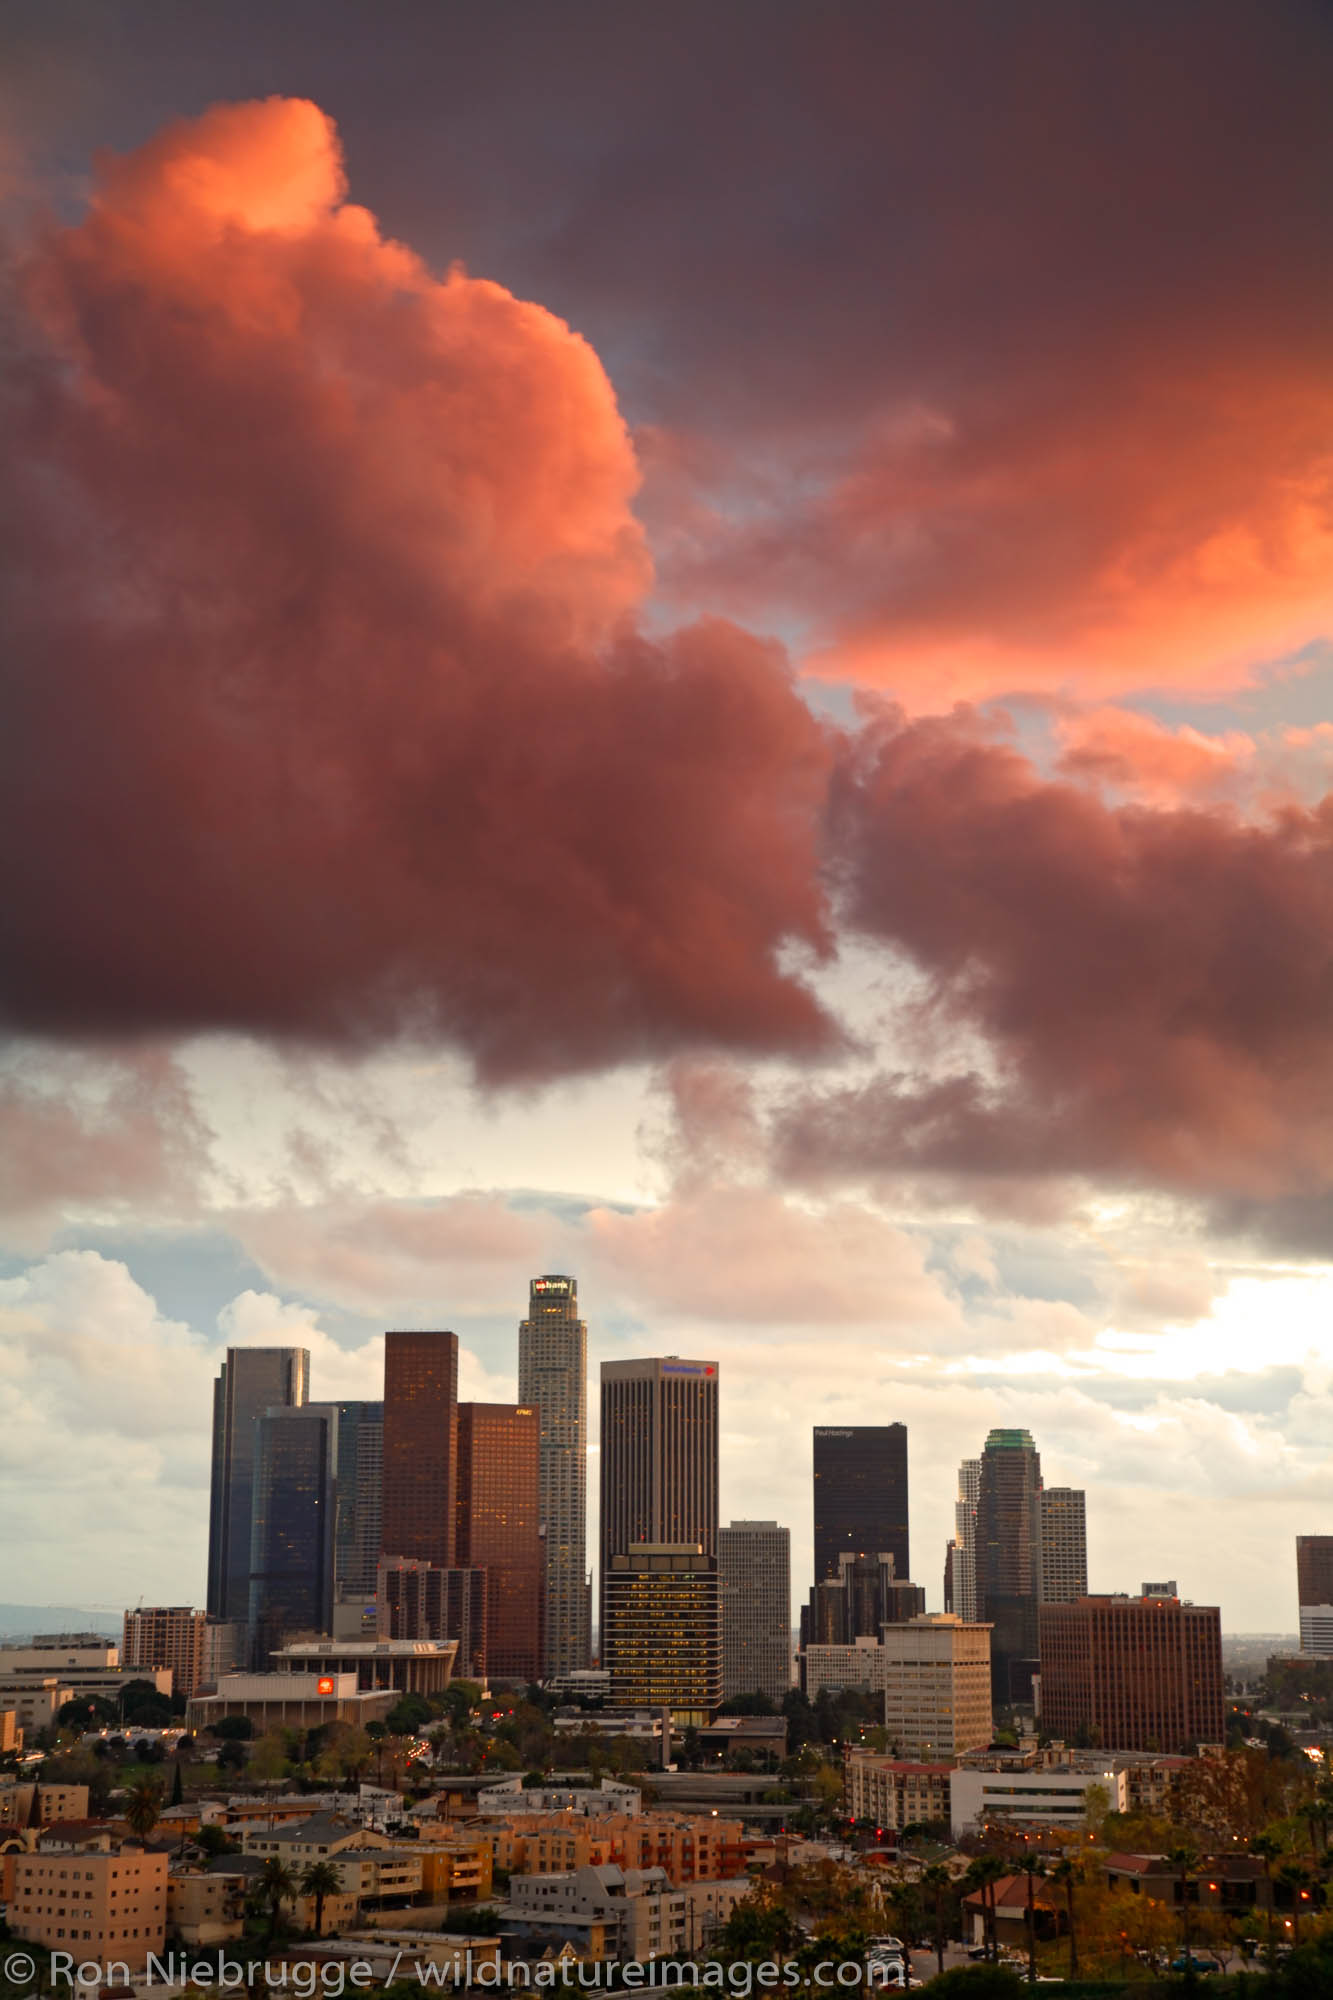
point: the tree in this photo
(1182, 1861)
(1032, 1866)
(937, 1883)
(233, 1728)
(277, 1885)
(232, 1757)
(1068, 1874)
(1299, 1882)
(320, 1880)
(1268, 1848)
(143, 1806)
(178, 1786)
(982, 1875)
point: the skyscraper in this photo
(499, 1530)
(292, 1526)
(1064, 1545)
(251, 1381)
(661, 1631)
(860, 1495)
(754, 1573)
(659, 1489)
(962, 1591)
(419, 1503)
(1008, 1558)
(553, 1375)
(360, 1497)
(1314, 1593)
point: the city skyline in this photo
(744, 716)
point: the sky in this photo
(692, 646)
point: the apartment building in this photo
(109, 1906)
(892, 1793)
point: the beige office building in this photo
(166, 1635)
(108, 1907)
(937, 1686)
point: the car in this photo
(886, 1943)
(1194, 1963)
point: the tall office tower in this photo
(360, 1481)
(500, 1530)
(553, 1375)
(1064, 1544)
(754, 1577)
(294, 1511)
(1009, 1559)
(419, 1493)
(1314, 1593)
(1132, 1673)
(964, 1562)
(859, 1601)
(166, 1635)
(250, 1381)
(860, 1494)
(661, 1630)
(659, 1475)
(418, 1600)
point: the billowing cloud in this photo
(1151, 989)
(326, 718)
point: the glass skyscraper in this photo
(553, 1376)
(251, 1381)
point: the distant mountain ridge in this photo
(21, 1621)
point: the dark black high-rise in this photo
(860, 1495)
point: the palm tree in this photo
(277, 1885)
(1298, 1880)
(937, 1881)
(983, 1874)
(1183, 1861)
(1068, 1874)
(143, 1806)
(1032, 1865)
(320, 1880)
(1268, 1847)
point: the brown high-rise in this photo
(1132, 1673)
(500, 1530)
(419, 1510)
(1314, 1569)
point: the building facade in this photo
(357, 1536)
(1132, 1673)
(893, 1792)
(661, 1631)
(292, 1526)
(166, 1635)
(860, 1495)
(1064, 1544)
(960, 1595)
(418, 1600)
(937, 1687)
(553, 1377)
(499, 1530)
(419, 1489)
(1314, 1593)
(107, 1907)
(251, 1381)
(754, 1580)
(659, 1454)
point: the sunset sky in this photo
(691, 644)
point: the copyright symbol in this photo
(20, 1967)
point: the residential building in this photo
(419, 1600)
(1008, 1559)
(419, 1495)
(252, 1380)
(937, 1687)
(553, 1377)
(54, 1802)
(11, 1736)
(1031, 1788)
(659, 1491)
(754, 1581)
(1064, 1544)
(500, 1530)
(108, 1907)
(860, 1494)
(207, 1908)
(1132, 1673)
(661, 1632)
(166, 1635)
(890, 1793)
(636, 1912)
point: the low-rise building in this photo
(1033, 1788)
(54, 1802)
(512, 1796)
(891, 1792)
(108, 1906)
(11, 1735)
(621, 1913)
(206, 1908)
(405, 1666)
(280, 1700)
